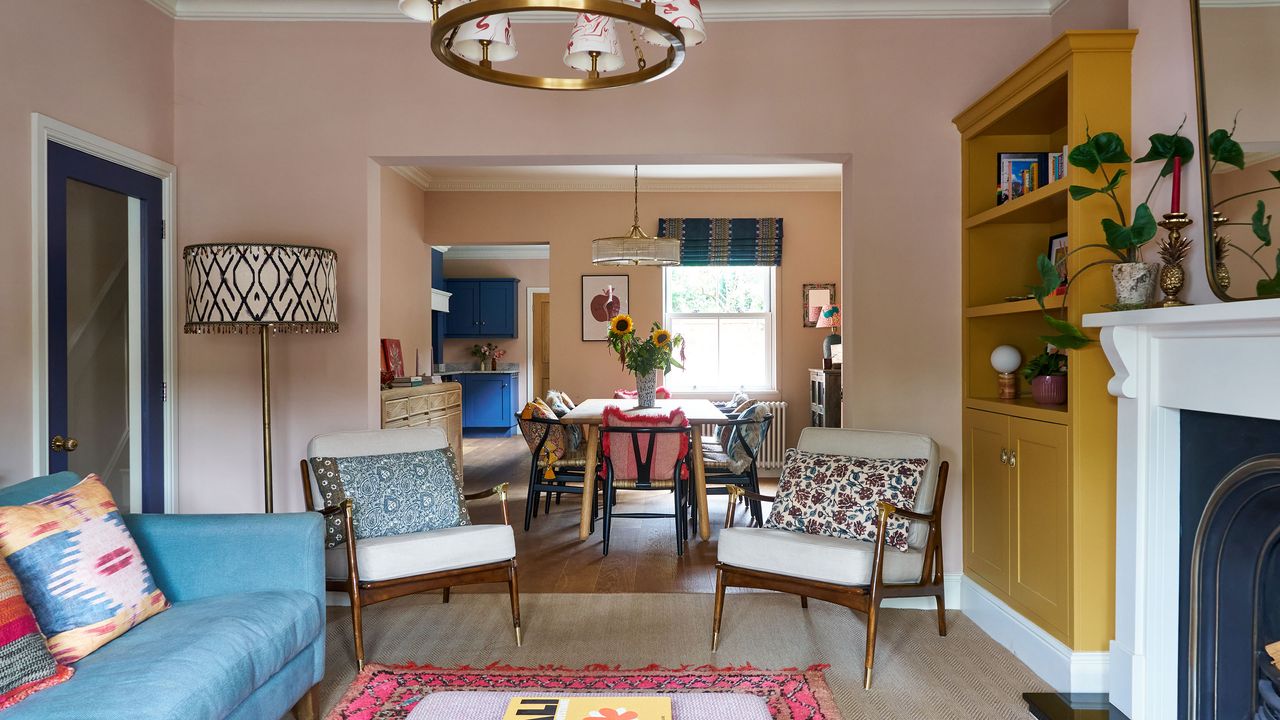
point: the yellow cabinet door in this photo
(1041, 581)
(987, 509)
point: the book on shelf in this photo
(588, 708)
(413, 381)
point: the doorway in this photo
(540, 339)
(102, 334)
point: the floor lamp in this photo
(240, 289)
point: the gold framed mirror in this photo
(1237, 48)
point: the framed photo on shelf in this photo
(603, 298)
(392, 357)
(816, 297)
(1058, 249)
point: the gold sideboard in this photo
(432, 405)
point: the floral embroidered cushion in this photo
(27, 666)
(836, 495)
(750, 436)
(557, 444)
(573, 433)
(79, 568)
(394, 494)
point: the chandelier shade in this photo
(636, 247)
(246, 288)
(420, 10)
(593, 45)
(684, 14)
(486, 40)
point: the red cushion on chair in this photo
(622, 453)
(662, 394)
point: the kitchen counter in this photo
(480, 372)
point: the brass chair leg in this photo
(719, 612)
(513, 587)
(305, 708)
(873, 613)
(446, 595)
(358, 628)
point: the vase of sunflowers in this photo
(645, 357)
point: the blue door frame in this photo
(65, 164)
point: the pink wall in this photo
(106, 68)
(567, 222)
(405, 306)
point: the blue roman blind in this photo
(725, 241)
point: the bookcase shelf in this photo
(1039, 481)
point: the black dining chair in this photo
(563, 475)
(737, 461)
(642, 445)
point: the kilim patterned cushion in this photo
(836, 495)
(393, 494)
(79, 567)
(25, 663)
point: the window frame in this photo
(771, 335)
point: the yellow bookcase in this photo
(1039, 490)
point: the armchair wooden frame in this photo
(865, 599)
(364, 593)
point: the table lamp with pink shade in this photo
(829, 318)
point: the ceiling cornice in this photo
(625, 185)
(387, 10)
(416, 175)
(498, 252)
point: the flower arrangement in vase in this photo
(645, 357)
(488, 354)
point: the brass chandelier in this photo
(636, 247)
(471, 35)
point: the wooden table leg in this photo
(589, 482)
(700, 486)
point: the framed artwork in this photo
(816, 297)
(392, 356)
(603, 298)
(1058, 249)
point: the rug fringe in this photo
(499, 666)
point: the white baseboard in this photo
(1063, 668)
(950, 589)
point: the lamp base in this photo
(1008, 383)
(827, 342)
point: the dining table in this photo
(590, 414)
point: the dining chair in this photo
(372, 474)
(856, 574)
(554, 468)
(736, 462)
(645, 451)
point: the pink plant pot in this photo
(1049, 389)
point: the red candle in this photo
(1175, 205)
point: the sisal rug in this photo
(384, 692)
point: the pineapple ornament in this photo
(1221, 246)
(1173, 251)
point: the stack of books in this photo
(1021, 173)
(413, 381)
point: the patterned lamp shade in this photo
(594, 34)
(830, 317)
(242, 288)
(495, 30)
(684, 14)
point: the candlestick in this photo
(1175, 204)
(1173, 250)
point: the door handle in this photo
(1004, 456)
(1013, 459)
(61, 444)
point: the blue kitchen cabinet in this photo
(482, 308)
(489, 402)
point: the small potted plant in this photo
(488, 354)
(1047, 373)
(644, 358)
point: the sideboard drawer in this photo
(395, 409)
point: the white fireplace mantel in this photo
(1220, 358)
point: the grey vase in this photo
(647, 390)
(1135, 283)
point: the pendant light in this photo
(636, 247)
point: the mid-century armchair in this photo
(373, 569)
(853, 573)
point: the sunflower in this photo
(661, 338)
(621, 325)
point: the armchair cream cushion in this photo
(428, 552)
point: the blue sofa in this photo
(244, 638)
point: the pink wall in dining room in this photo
(567, 221)
(405, 288)
(106, 68)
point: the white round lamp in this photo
(1006, 360)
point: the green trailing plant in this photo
(1123, 237)
(1048, 362)
(1223, 148)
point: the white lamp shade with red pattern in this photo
(496, 29)
(417, 9)
(594, 33)
(684, 14)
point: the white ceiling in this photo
(387, 10)
(776, 177)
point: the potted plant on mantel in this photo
(1047, 373)
(643, 358)
(1135, 280)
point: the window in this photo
(726, 317)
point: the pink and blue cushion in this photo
(243, 639)
(26, 666)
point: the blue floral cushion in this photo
(836, 495)
(393, 494)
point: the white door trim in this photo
(528, 357)
(43, 130)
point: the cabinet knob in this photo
(1013, 459)
(1004, 456)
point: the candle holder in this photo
(1173, 250)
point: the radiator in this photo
(775, 445)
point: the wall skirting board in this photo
(1063, 668)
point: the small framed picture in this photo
(816, 297)
(603, 298)
(1058, 249)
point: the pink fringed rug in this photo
(384, 692)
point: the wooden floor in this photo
(642, 553)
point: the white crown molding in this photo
(625, 185)
(498, 252)
(1239, 3)
(387, 10)
(416, 175)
